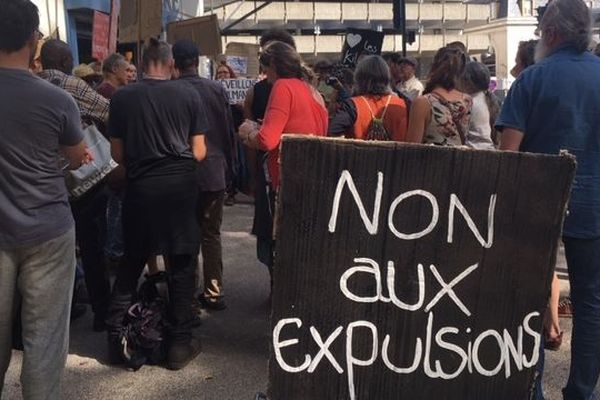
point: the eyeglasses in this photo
(39, 34)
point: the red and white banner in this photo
(100, 35)
(114, 26)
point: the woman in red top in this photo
(295, 107)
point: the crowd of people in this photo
(175, 138)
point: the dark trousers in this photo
(538, 391)
(90, 229)
(180, 273)
(210, 215)
(583, 261)
(264, 210)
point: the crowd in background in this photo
(181, 148)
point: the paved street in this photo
(233, 365)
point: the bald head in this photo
(57, 54)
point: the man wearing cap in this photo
(212, 172)
(410, 85)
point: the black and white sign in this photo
(412, 272)
(360, 42)
(237, 88)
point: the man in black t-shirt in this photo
(157, 131)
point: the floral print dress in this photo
(449, 121)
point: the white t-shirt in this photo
(480, 131)
(412, 88)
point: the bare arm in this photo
(418, 119)
(510, 139)
(116, 150)
(198, 147)
(77, 155)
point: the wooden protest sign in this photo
(360, 42)
(238, 64)
(249, 52)
(410, 271)
(237, 88)
(150, 16)
(204, 31)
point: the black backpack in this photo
(145, 325)
(376, 129)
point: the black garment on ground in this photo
(180, 282)
(216, 167)
(155, 119)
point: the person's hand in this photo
(247, 128)
(248, 134)
(88, 157)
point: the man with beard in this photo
(546, 112)
(37, 235)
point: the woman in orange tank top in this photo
(375, 112)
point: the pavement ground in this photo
(234, 362)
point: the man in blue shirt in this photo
(555, 105)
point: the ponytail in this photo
(448, 67)
(157, 52)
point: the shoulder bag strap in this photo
(368, 106)
(386, 106)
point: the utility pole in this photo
(139, 40)
(399, 10)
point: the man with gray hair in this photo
(546, 112)
(114, 72)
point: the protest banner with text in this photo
(237, 88)
(411, 271)
(359, 42)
